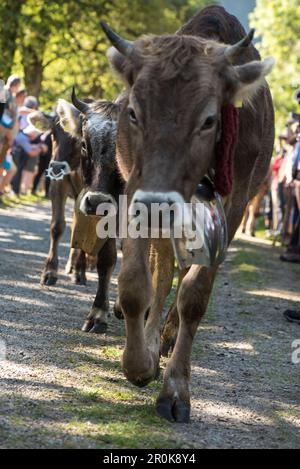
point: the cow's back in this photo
(256, 134)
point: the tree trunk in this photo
(33, 71)
(10, 15)
(36, 37)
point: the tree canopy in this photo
(55, 44)
(277, 22)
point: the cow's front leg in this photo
(58, 194)
(171, 326)
(135, 294)
(162, 271)
(96, 322)
(174, 400)
(79, 267)
(70, 263)
(170, 331)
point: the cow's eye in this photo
(132, 116)
(209, 123)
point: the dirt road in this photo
(62, 388)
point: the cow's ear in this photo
(69, 118)
(249, 78)
(121, 65)
(40, 121)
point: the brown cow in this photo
(66, 182)
(252, 212)
(168, 130)
(94, 127)
(85, 142)
(66, 154)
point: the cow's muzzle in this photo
(58, 170)
(159, 211)
(92, 200)
(198, 230)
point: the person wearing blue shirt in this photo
(25, 152)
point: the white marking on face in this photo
(64, 170)
(171, 198)
(106, 198)
(99, 126)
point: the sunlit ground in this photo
(62, 388)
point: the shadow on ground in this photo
(63, 388)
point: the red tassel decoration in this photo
(226, 149)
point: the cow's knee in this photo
(57, 229)
(134, 291)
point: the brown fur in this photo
(64, 149)
(171, 81)
(67, 148)
(252, 211)
(101, 182)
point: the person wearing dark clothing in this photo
(293, 252)
(43, 166)
(294, 315)
(2, 98)
(24, 148)
(2, 107)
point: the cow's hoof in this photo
(118, 311)
(144, 371)
(141, 382)
(94, 327)
(79, 279)
(49, 279)
(99, 328)
(88, 325)
(167, 346)
(69, 269)
(173, 409)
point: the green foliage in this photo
(9, 18)
(61, 43)
(278, 24)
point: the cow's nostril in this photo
(90, 206)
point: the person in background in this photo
(7, 167)
(44, 162)
(7, 173)
(294, 315)
(277, 205)
(293, 251)
(30, 105)
(8, 124)
(2, 98)
(26, 150)
(20, 98)
(31, 166)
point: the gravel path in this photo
(62, 388)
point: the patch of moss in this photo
(118, 417)
(248, 268)
(15, 201)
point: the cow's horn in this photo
(80, 105)
(232, 51)
(122, 45)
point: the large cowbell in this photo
(213, 228)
